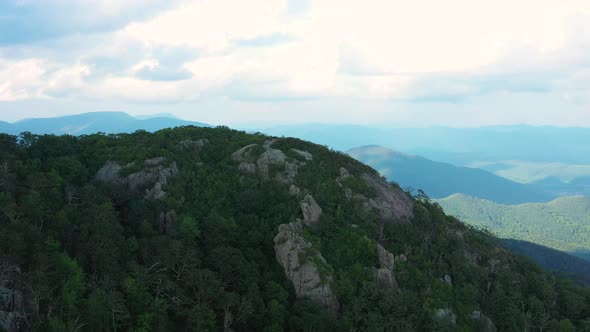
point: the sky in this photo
(237, 62)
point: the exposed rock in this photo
(311, 210)
(167, 221)
(154, 177)
(109, 172)
(446, 315)
(391, 202)
(384, 276)
(348, 193)
(195, 145)
(386, 259)
(11, 298)
(268, 158)
(304, 154)
(294, 190)
(154, 161)
(246, 167)
(304, 266)
(401, 258)
(483, 322)
(447, 278)
(251, 163)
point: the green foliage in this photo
(95, 256)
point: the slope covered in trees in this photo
(562, 224)
(207, 229)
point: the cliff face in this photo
(304, 266)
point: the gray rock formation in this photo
(311, 210)
(154, 176)
(308, 156)
(168, 221)
(294, 190)
(270, 158)
(304, 266)
(11, 298)
(446, 315)
(384, 276)
(194, 145)
(483, 323)
(447, 278)
(391, 202)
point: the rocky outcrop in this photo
(445, 315)
(154, 176)
(294, 190)
(482, 322)
(304, 266)
(168, 221)
(261, 159)
(384, 276)
(391, 202)
(447, 278)
(11, 298)
(306, 155)
(344, 173)
(311, 210)
(193, 145)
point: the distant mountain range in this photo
(440, 180)
(88, 123)
(459, 146)
(562, 224)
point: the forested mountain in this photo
(562, 224)
(440, 180)
(94, 122)
(205, 229)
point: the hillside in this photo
(551, 259)
(440, 180)
(562, 224)
(211, 229)
(94, 122)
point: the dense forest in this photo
(562, 224)
(206, 229)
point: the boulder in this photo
(304, 266)
(294, 190)
(447, 278)
(311, 210)
(194, 145)
(482, 322)
(384, 276)
(168, 221)
(391, 202)
(154, 176)
(306, 155)
(446, 315)
(12, 312)
(251, 163)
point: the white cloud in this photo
(380, 51)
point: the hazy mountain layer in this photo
(90, 123)
(440, 180)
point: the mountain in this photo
(562, 224)
(210, 229)
(94, 122)
(440, 180)
(459, 146)
(552, 259)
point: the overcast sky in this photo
(237, 62)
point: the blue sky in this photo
(415, 63)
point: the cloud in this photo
(391, 53)
(25, 21)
